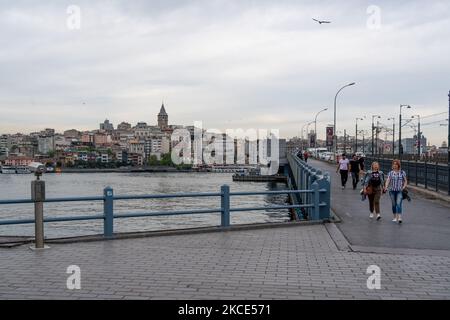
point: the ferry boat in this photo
(22, 170)
(8, 170)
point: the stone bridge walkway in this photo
(297, 262)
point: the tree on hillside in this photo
(153, 160)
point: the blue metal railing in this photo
(307, 177)
(316, 205)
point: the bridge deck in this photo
(283, 263)
(426, 222)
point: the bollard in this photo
(225, 205)
(108, 210)
(38, 196)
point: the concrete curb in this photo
(177, 232)
(401, 251)
(338, 237)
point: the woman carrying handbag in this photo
(396, 184)
(373, 188)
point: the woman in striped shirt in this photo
(395, 184)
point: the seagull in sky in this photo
(321, 21)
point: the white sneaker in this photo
(378, 216)
(395, 220)
(371, 216)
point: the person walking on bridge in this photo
(396, 182)
(373, 187)
(355, 168)
(306, 156)
(342, 169)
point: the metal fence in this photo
(315, 194)
(306, 177)
(432, 176)
(441, 158)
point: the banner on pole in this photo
(330, 134)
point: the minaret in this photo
(163, 118)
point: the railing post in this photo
(436, 174)
(225, 205)
(407, 171)
(316, 201)
(108, 210)
(426, 174)
(324, 197)
(417, 177)
(448, 176)
(38, 196)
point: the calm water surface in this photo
(92, 184)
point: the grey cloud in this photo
(224, 62)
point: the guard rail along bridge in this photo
(430, 175)
(308, 190)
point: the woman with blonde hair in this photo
(396, 184)
(373, 188)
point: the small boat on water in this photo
(8, 170)
(22, 170)
(15, 170)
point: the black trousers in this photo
(344, 177)
(355, 179)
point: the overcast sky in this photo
(231, 64)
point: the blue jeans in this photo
(397, 199)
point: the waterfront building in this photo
(5, 144)
(140, 125)
(46, 144)
(102, 139)
(136, 159)
(124, 126)
(104, 158)
(87, 137)
(136, 147)
(410, 144)
(72, 134)
(62, 143)
(122, 156)
(106, 126)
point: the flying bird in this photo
(321, 21)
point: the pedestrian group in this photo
(375, 184)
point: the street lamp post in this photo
(303, 128)
(393, 136)
(315, 127)
(373, 127)
(307, 130)
(377, 132)
(334, 123)
(364, 142)
(400, 146)
(419, 151)
(356, 134)
(345, 141)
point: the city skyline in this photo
(229, 64)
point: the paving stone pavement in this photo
(282, 263)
